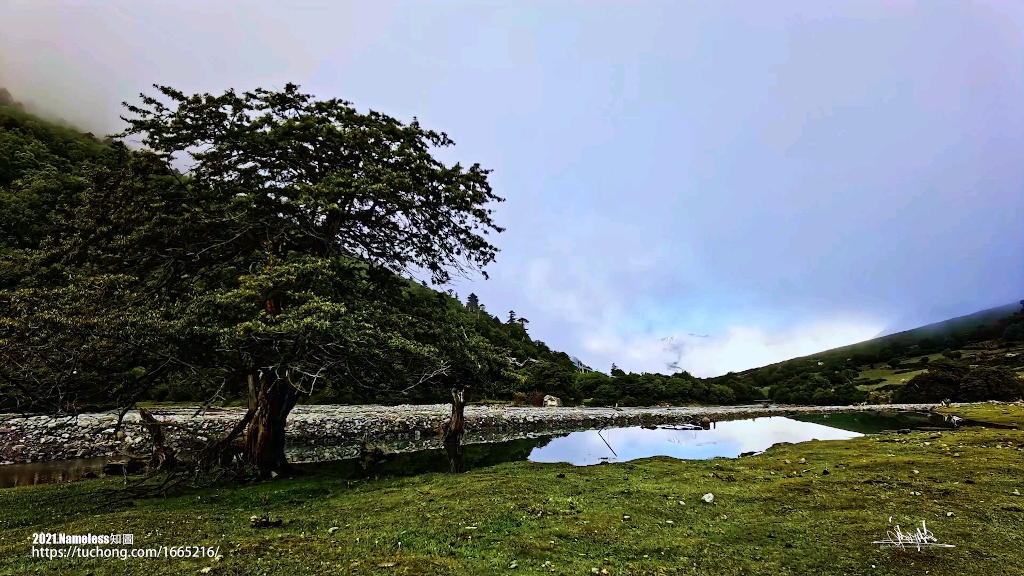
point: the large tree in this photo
(312, 198)
(255, 246)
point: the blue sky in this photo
(780, 177)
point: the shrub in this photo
(816, 390)
(990, 383)
(722, 394)
(880, 397)
(961, 384)
(606, 394)
(586, 383)
(628, 401)
(1014, 332)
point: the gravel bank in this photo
(331, 432)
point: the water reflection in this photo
(469, 456)
(728, 439)
(875, 422)
(45, 472)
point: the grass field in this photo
(775, 513)
(889, 376)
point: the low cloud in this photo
(744, 347)
(737, 348)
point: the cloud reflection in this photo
(728, 439)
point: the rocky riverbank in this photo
(331, 432)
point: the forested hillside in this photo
(125, 280)
(286, 254)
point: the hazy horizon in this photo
(725, 185)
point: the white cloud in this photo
(599, 315)
(739, 348)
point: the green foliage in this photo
(961, 383)
(894, 362)
(817, 389)
(586, 384)
(722, 394)
(42, 167)
(607, 394)
(630, 389)
(277, 253)
(1014, 332)
(551, 378)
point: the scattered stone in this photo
(709, 498)
(333, 529)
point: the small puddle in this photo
(728, 439)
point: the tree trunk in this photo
(453, 430)
(264, 437)
(164, 457)
(454, 452)
(455, 425)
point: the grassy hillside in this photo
(877, 368)
(938, 331)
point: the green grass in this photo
(1005, 414)
(772, 514)
(888, 375)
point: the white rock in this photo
(709, 497)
